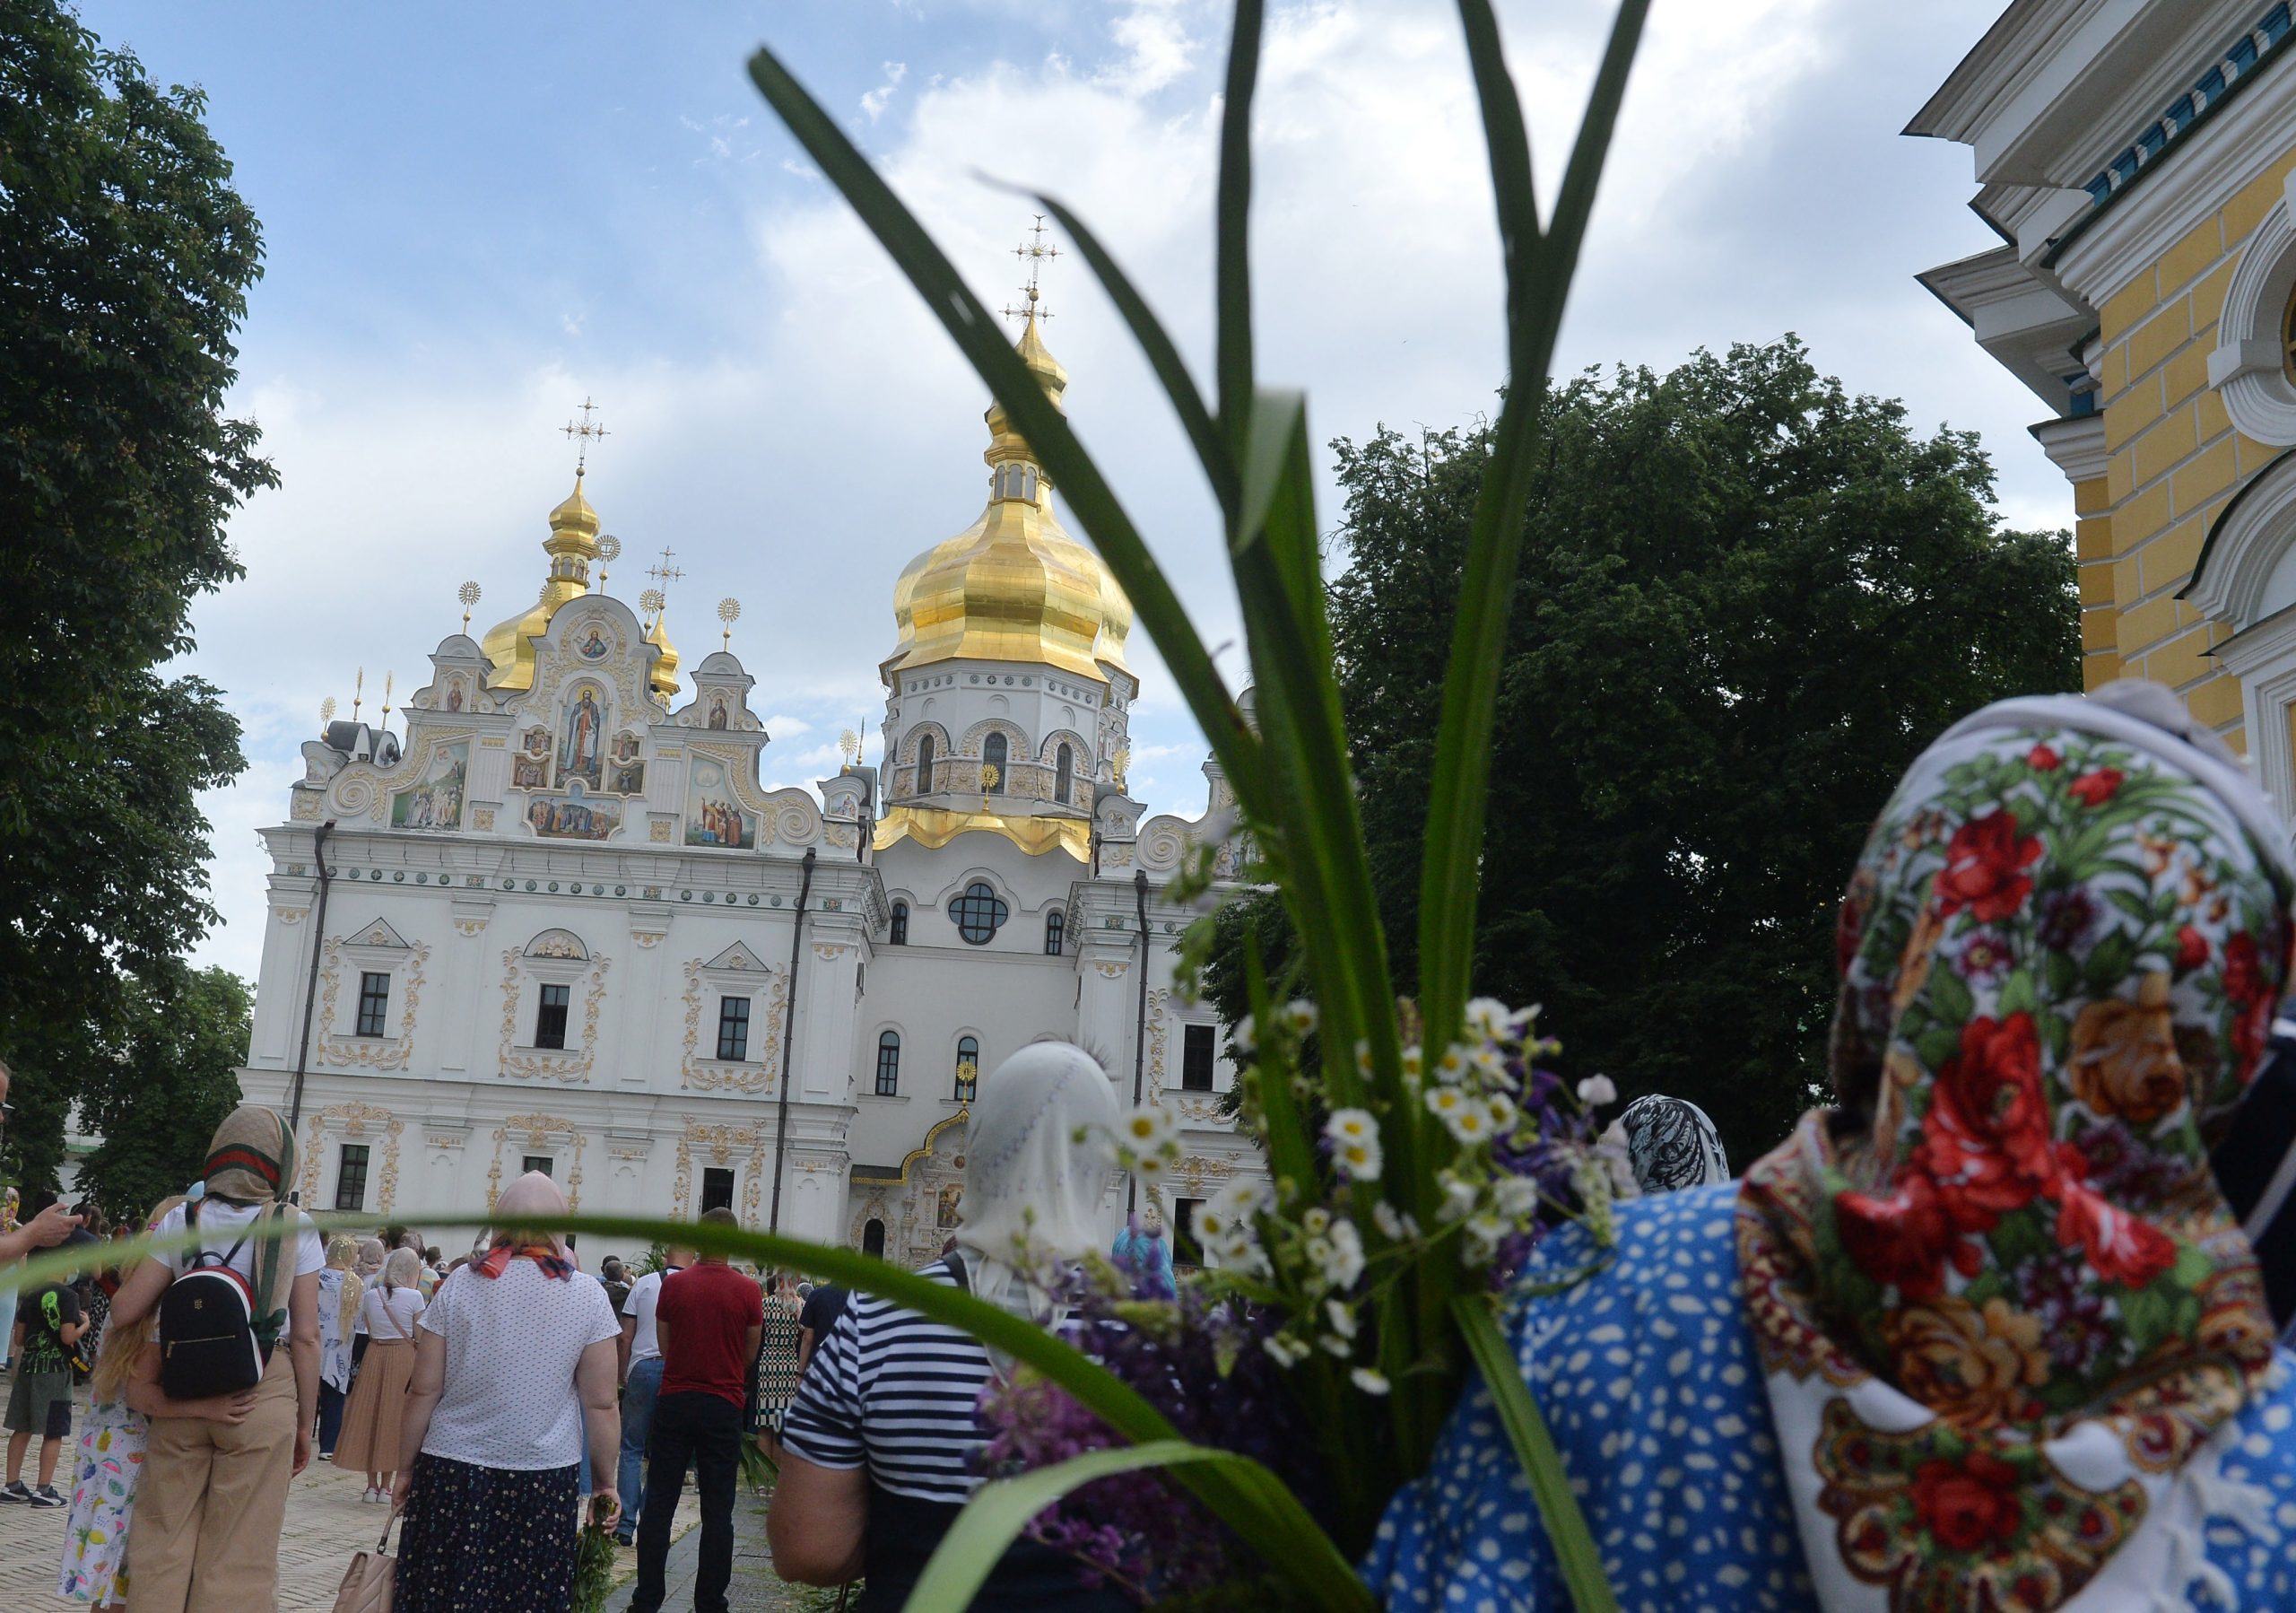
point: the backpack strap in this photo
(200, 1255)
(270, 1321)
(956, 1263)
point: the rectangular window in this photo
(1185, 1249)
(733, 1028)
(351, 1177)
(544, 1162)
(1195, 1057)
(374, 1001)
(716, 1189)
(550, 1019)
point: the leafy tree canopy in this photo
(1748, 599)
(125, 260)
(167, 1077)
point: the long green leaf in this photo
(997, 1514)
(1575, 1552)
(1045, 429)
(1233, 271)
(1539, 272)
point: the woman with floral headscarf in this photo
(1984, 1336)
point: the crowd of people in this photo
(1912, 1358)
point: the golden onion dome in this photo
(572, 545)
(1013, 586)
(663, 679)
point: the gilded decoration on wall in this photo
(371, 1053)
(699, 1074)
(537, 1130)
(721, 1141)
(482, 819)
(570, 1065)
(1159, 999)
(352, 1122)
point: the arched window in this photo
(968, 1069)
(925, 765)
(1055, 930)
(992, 752)
(979, 912)
(873, 1239)
(1065, 775)
(900, 924)
(889, 1065)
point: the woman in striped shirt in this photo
(880, 1439)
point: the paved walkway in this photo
(755, 1588)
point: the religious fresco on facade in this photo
(581, 744)
(530, 767)
(435, 801)
(573, 816)
(717, 711)
(593, 645)
(952, 1196)
(626, 775)
(711, 819)
(454, 694)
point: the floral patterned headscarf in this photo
(2000, 1302)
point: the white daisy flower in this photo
(1300, 1016)
(1341, 1347)
(1360, 1161)
(1351, 1125)
(1144, 1130)
(1482, 1238)
(1444, 1102)
(1287, 1351)
(1596, 1091)
(1460, 1195)
(1469, 1121)
(1210, 1223)
(1515, 1196)
(1315, 1221)
(1490, 1018)
(1414, 1062)
(1503, 1112)
(1340, 1256)
(1368, 1382)
(1451, 1066)
(1397, 1225)
(1241, 1040)
(1342, 1320)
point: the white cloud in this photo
(875, 101)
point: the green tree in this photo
(1748, 599)
(124, 261)
(167, 1077)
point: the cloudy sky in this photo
(475, 216)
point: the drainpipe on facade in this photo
(789, 1037)
(1140, 1027)
(311, 983)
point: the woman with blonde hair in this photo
(214, 1497)
(370, 1420)
(123, 1393)
(339, 1291)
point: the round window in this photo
(979, 913)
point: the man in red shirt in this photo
(706, 1325)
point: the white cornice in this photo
(2075, 446)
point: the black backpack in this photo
(215, 1338)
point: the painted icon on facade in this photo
(530, 766)
(593, 645)
(581, 747)
(711, 819)
(952, 1196)
(574, 816)
(626, 776)
(435, 801)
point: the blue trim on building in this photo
(2253, 48)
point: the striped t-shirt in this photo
(888, 1389)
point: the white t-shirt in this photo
(387, 1327)
(645, 1293)
(512, 1342)
(220, 1226)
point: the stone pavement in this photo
(326, 1523)
(755, 1588)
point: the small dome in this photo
(664, 680)
(575, 513)
(572, 545)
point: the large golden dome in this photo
(1013, 586)
(572, 545)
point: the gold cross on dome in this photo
(1035, 252)
(664, 572)
(583, 434)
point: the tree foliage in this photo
(167, 1078)
(1748, 599)
(125, 260)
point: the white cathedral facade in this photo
(560, 924)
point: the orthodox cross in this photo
(1033, 252)
(664, 572)
(583, 434)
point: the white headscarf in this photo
(1037, 1167)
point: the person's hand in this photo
(302, 1451)
(225, 1409)
(606, 1507)
(402, 1490)
(51, 1227)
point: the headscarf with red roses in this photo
(1999, 1299)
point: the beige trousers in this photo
(210, 1503)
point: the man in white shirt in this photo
(641, 1383)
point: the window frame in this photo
(995, 752)
(1186, 1250)
(898, 934)
(544, 1005)
(964, 1088)
(1199, 1057)
(1056, 933)
(979, 906)
(344, 1177)
(1064, 773)
(547, 1163)
(374, 1006)
(728, 1020)
(888, 1083)
(711, 1177)
(925, 760)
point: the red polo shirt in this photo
(710, 1308)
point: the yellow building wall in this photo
(2174, 461)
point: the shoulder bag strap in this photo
(956, 1263)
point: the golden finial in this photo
(1033, 252)
(729, 610)
(1123, 760)
(609, 550)
(326, 715)
(848, 745)
(583, 435)
(358, 692)
(468, 594)
(650, 601)
(388, 677)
